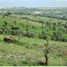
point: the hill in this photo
(32, 39)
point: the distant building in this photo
(38, 12)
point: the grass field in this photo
(29, 51)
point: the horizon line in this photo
(34, 7)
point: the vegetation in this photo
(31, 39)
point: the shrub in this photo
(9, 39)
(57, 36)
(1, 31)
(28, 34)
(42, 35)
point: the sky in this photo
(33, 3)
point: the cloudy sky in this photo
(33, 3)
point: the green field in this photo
(29, 50)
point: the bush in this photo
(9, 39)
(43, 35)
(1, 31)
(28, 34)
(57, 36)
